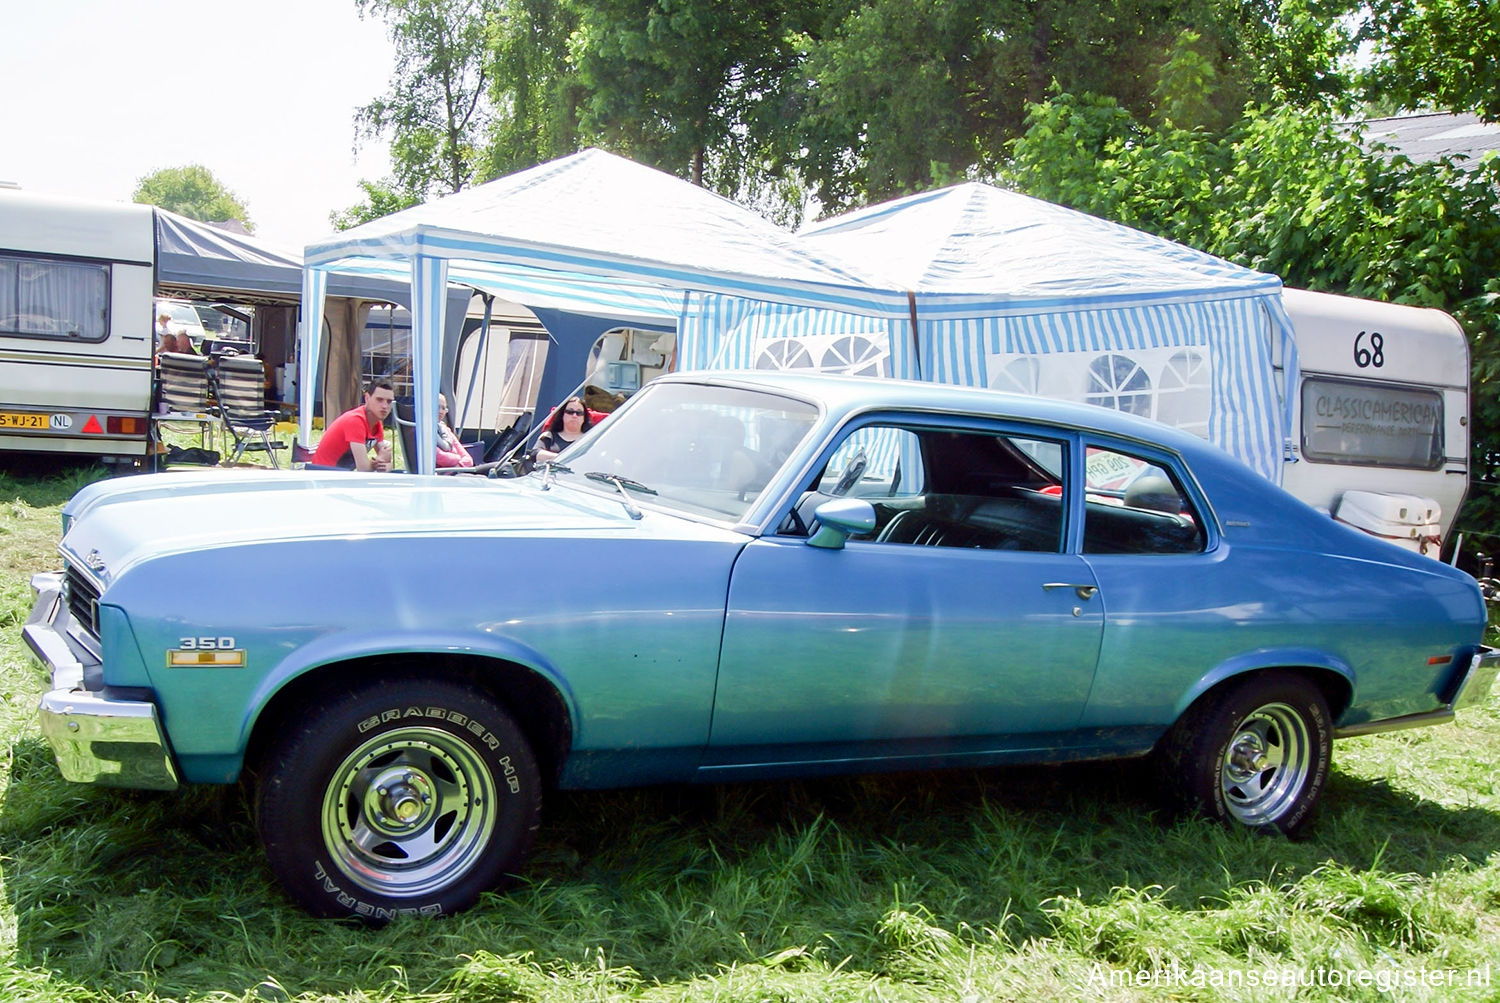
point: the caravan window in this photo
(53, 298)
(1351, 421)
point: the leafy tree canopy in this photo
(194, 192)
(381, 199)
(436, 110)
(1436, 54)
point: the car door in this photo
(958, 626)
(1174, 608)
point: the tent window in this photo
(1119, 382)
(784, 353)
(1019, 376)
(498, 375)
(1185, 395)
(53, 298)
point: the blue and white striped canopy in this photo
(592, 232)
(995, 276)
(954, 286)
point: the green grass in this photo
(1019, 884)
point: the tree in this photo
(1436, 53)
(905, 94)
(194, 192)
(436, 111)
(381, 199)
(534, 93)
(696, 87)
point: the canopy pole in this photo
(429, 307)
(309, 349)
(916, 343)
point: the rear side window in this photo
(53, 298)
(1132, 506)
(1352, 421)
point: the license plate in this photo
(20, 419)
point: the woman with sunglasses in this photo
(566, 424)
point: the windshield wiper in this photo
(547, 470)
(621, 483)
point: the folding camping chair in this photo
(182, 397)
(241, 388)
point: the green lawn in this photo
(1018, 884)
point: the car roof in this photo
(849, 394)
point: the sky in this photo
(99, 93)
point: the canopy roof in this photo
(1012, 292)
(597, 231)
(957, 246)
(953, 283)
(592, 233)
(195, 260)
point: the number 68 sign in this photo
(1374, 354)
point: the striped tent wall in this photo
(1247, 415)
(723, 332)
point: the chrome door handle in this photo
(1082, 591)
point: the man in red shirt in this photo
(356, 438)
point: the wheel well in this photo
(531, 700)
(1334, 687)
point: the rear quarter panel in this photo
(1281, 585)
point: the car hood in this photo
(113, 525)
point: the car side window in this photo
(942, 487)
(1133, 506)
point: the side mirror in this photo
(840, 519)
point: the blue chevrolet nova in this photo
(736, 576)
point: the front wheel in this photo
(1255, 753)
(402, 796)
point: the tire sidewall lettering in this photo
(457, 719)
(1313, 788)
(323, 876)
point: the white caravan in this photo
(76, 284)
(1380, 415)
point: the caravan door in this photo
(75, 325)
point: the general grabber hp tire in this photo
(402, 796)
(1255, 752)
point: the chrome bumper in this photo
(113, 743)
(1476, 683)
(1469, 688)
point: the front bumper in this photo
(97, 740)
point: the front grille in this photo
(83, 603)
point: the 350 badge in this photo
(206, 652)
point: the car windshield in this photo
(703, 450)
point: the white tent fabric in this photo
(970, 284)
(1011, 292)
(594, 231)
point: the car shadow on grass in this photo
(122, 892)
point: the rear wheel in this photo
(1254, 753)
(402, 796)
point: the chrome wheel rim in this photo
(409, 812)
(1267, 764)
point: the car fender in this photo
(1266, 658)
(347, 646)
